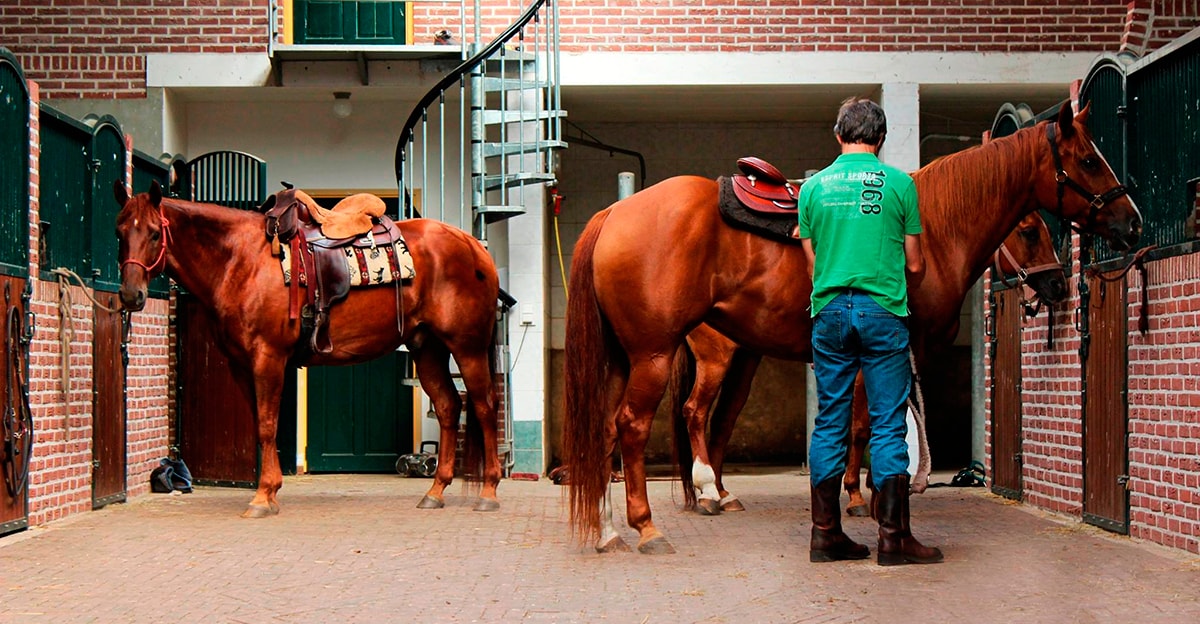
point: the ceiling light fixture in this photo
(341, 104)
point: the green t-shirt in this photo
(857, 211)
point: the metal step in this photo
(491, 85)
(497, 213)
(493, 148)
(491, 117)
(493, 182)
(510, 55)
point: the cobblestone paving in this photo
(353, 548)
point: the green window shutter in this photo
(14, 167)
(108, 165)
(334, 22)
(1163, 136)
(64, 173)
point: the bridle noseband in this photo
(1022, 272)
(1031, 306)
(162, 252)
(1096, 202)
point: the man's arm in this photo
(806, 243)
(914, 259)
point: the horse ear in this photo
(1066, 127)
(119, 193)
(155, 193)
(1082, 117)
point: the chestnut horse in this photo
(222, 256)
(724, 370)
(655, 265)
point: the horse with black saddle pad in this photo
(760, 200)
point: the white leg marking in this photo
(705, 480)
(607, 531)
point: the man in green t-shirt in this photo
(860, 227)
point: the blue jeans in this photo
(849, 333)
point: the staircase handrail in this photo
(454, 75)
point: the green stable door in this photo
(360, 418)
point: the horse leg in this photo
(647, 383)
(433, 370)
(610, 540)
(268, 390)
(709, 372)
(734, 392)
(860, 435)
(477, 376)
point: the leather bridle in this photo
(1096, 203)
(1031, 306)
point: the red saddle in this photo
(763, 188)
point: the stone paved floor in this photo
(353, 548)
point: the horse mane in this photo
(953, 189)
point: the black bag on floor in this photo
(170, 475)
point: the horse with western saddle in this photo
(327, 251)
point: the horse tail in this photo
(683, 378)
(589, 341)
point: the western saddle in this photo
(762, 187)
(317, 239)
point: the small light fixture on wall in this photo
(341, 104)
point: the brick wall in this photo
(88, 49)
(1151, 24)
(1051, 412)
(85, 49)
(1164, 399)
(807, 26)
(61, 390)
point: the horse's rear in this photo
(645, 272)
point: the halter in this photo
(162, 252)
(1096, 202)
(1032, 306)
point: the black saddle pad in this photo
(777, 228)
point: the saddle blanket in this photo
(775, 227)
(368, 266)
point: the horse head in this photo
(142, 235)
(1028, 253)
(1082, 186)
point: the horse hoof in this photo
(708, 507)
(733, 505)
(614, 544)
(858, 511)
(657, 545)
(430, 502)
(258, 511)
(487, 504)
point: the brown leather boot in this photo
(897, 546)
(829, 543)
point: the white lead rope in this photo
(920, 480)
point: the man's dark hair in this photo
(861, 121)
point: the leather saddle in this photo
(318, 241)
(762, 188)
